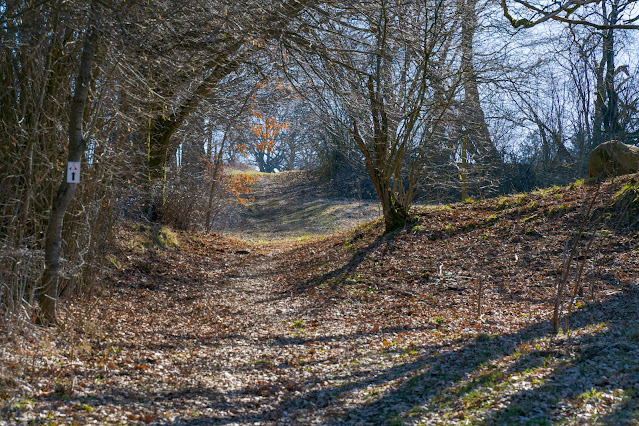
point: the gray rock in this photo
(613, 158)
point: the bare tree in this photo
(472, 117)
(575, 12)
(233, 31)
(64, 194)
(53, 113)
(383, 72)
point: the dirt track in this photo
(294, 204)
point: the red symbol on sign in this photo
(73, 174)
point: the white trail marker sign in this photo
(73, 172)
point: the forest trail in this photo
(225, 340)
(292, 204)
(190, 338)
(352, 328)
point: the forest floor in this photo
(444, 322)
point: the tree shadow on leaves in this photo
(584, 369)
(335, 276)
(596, 362)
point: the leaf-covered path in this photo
(354, 328)
(293, 204)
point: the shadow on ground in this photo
(594, 367)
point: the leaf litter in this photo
(444, 322)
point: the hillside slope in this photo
(444, 322)
(291, 204)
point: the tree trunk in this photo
(606, 121)
(163, 127)
(464, 185)
(395, 214)
(611, 125)
(48, 292)
(472, 111)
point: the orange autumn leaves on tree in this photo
(266, 129)
(239, 185)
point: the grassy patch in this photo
(113, 261)
(559, 210)
(591, 395)
(549, 191)
(166, 238)
(439, 319)
(417, 229)
(248, 172)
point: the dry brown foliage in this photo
(351, 328)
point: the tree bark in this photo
(48, 292)
(611, 125)
(606, 121)
(163, 128)
(394, 213)
(472, 112)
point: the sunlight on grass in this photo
(590, 395)
(234, 172)
(549, 191)
(522, 384)
(166, 237)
